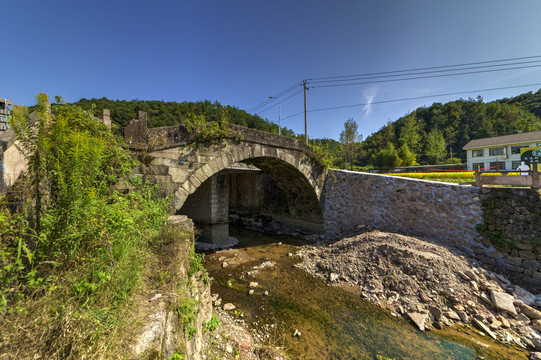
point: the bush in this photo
(76, 257)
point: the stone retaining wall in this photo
(511, 232)
(397, 204)
(501, 227)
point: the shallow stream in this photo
(334, 323)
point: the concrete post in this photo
(535, 176)
(478, 176)
(107, 117)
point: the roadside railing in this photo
(523, 178)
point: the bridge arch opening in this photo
(266, 186)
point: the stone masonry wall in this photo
(501, 227)
(511, 232)
(392, 203)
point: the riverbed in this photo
(333, 322)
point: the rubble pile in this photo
(429, 284)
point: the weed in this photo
(187, 314)
(176, 356)
(196, 265)
(499, 239)
(203, 132)
(212, 324)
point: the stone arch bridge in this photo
(197, 179)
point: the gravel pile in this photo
(429, 284)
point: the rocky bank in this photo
(429, 284)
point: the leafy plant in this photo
(212, 324)
(203, 132)
(320, 157)
(196, 265)
(500, 240)
(187, 313)
(176, 356)
(78, 254)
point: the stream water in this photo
(334, 323)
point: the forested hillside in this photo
(161, 113)
(434, 133)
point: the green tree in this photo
(410, 132)
(407, 156)
(435, 148)
(349, 137)
(387, 158)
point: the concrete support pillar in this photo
(208, 207)
(216, 229)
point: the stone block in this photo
(503, 302)
(514, 260)
(157, 179)
(530, 264)
(527, 254)
(201, 175)
(189, 187)
(524, 246)
(158, 169)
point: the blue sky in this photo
(239, 52)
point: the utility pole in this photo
(279, 124)
(305, 120)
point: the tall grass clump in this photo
(70, 261)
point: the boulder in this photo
(530, 312)
(503, 302)
(452, 315)
(418, 319)
(484, 328)
(436, 312)
(523, 320)
(527, 297)
(463, 316)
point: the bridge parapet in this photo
(140, 137)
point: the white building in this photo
(500, 152)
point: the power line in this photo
(402, 75)
(429, 68)
(407, 99)
(282, 93)
(273, 105)
(424, 72)
(426, 77)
